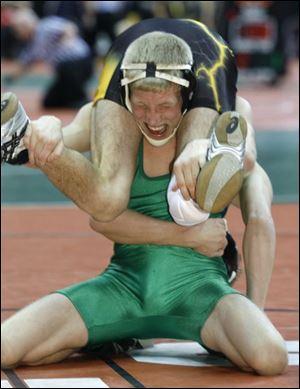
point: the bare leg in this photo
(196, 124)
(46, 331)
(241, 331)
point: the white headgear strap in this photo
(151, 69)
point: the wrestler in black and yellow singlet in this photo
(152, 291)
(214, 63)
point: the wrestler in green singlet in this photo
(150, 291)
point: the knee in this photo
(270, 359)
(9, 358)
(110, 205)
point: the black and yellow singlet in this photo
(214, 63)
(150, 291)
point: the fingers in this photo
(186, 177)
(44, 141)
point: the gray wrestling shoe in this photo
(228, 136)
(221, 178)
(14, 122)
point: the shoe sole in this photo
(221, 177)
(218, 183)
(9, 106)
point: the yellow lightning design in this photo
(110, 66)
(211, 72)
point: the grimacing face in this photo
(157, 112)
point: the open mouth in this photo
(157, 131)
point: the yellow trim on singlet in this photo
(220, 63)
(111, 63)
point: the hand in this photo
(44, 140)
(210, 237)
(187, 166)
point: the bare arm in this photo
(259, 240)
(134, 228)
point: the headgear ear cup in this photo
(150, 69)
(187, 93)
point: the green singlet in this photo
(150, 291)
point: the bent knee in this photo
(9, 357)
(110, 206)
(271, 360)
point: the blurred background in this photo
(40, 65)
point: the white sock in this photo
(184, 212)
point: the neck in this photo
(159, 160)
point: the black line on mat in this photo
(281, 309)
(13, 378)
(123, 373)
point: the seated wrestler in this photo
(164, 280)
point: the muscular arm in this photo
(135, 228)
(259, 240)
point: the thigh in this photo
(108, 304)
(43, 328)
(115, 138)
(241, 331)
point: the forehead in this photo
(171, 95)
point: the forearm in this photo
(259, 254)
(135, 228)
(260, 237)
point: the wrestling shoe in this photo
(221, 178)
(14, 122)
(231, 257)
(228, 136)
(120, 347)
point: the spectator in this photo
(55, 41)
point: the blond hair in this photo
(161, 48)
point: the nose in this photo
(153, 118)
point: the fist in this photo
(44, 140)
